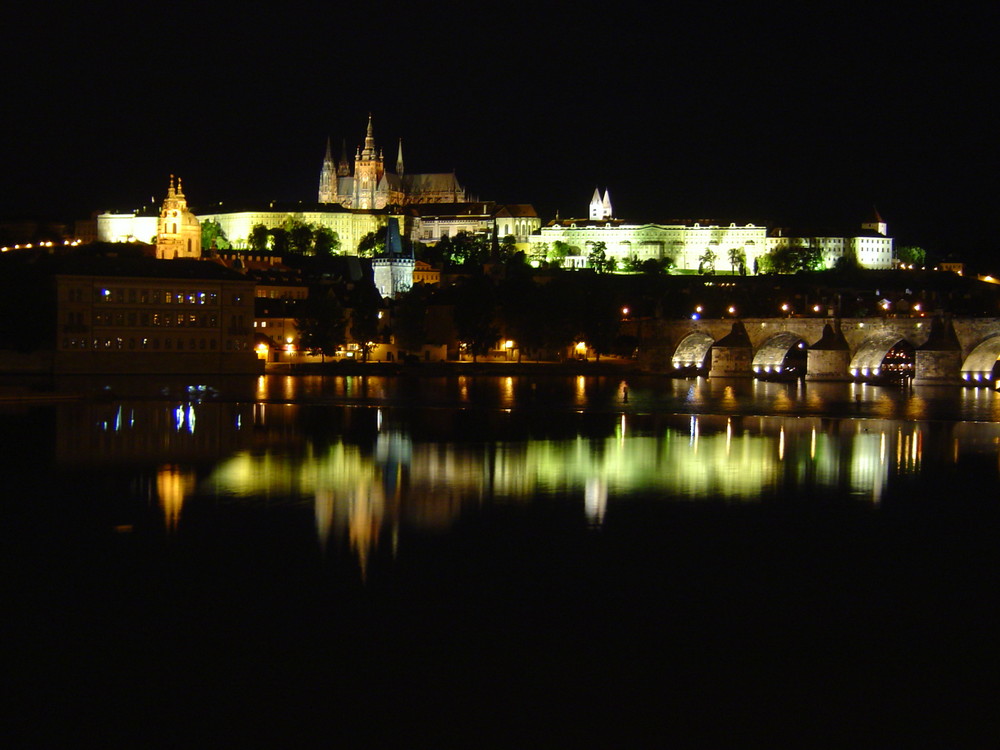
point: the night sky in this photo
(771, 113)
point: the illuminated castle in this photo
(369, 185)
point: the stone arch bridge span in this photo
(952, 351)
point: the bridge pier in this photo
(830, 365)
(732, 356)
(936, 367)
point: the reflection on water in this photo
(370, 473)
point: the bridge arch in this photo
(978, 366)
(783, 353)
(692, 352)
(869, 361)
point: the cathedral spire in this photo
(369, 151)
(399, 159)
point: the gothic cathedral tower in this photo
(368, 170)
(328, 178)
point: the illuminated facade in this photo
(431, 223)
(369, 185)
(146, 316)
(178, 231)
(684, 243)
(349, 226)
(688, 243)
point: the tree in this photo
(322, 325)
(738, 260)
(508, 248)
(300, 236)
(523, 312)
(598, 258)
(365, 319)
(848, 261)
(560, 250)
(539, 252)
(258, 240)
(279, 240)
(706, 262)
(410, 319)
(906, 254)
(371, 244)
(475, 312)
(467, 249)
(325, 241)
(793, 258)
(212, 236)
(598, 316)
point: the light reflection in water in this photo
(360, 494)
(367, 475)
(173, 486)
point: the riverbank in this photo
(609, 366)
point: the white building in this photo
(684, 243)
(433, 222)
(688, 243)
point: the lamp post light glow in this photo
(732, 310)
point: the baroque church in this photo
(370, 186)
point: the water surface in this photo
(500, 561)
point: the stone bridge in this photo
(930, 350)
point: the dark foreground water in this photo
(501, 562)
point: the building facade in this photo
(430, 224)
(687, 244)
(684, 243)
(368, 184)
(150, 316)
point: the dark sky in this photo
(766, 113)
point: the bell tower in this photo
(368, 170)
(178, 231)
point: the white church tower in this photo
(600, 208)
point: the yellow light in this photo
(732, 310)
(288, 340)
(508, 344)
(624, 311)
(581, 346)
(784, 307)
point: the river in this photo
(501, 561)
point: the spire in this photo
(170, 189)
(595, 205)
(399, 159)
(329, 156)
(344, 167)
(606, 205)
(393, 241)
(369, 150)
